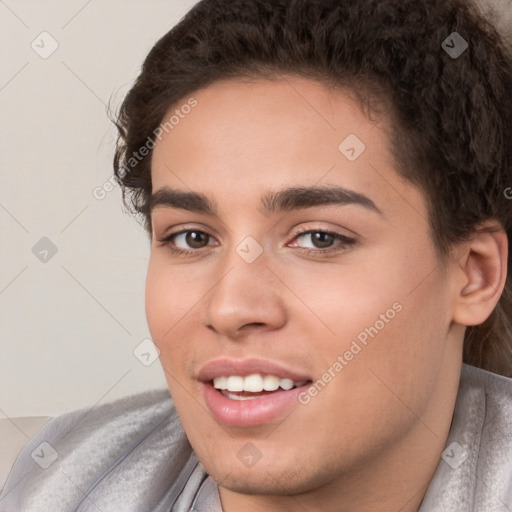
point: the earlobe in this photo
(484, 271)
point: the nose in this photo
(247, 299)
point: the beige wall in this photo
(68, 326)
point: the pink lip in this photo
(248, 413)
(244, 367)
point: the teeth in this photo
(254, 383)
(235, 383)
(270, 382)
(286, 384)
(221, 382)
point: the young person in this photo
(325, 185)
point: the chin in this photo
(276, 477)
(249, 483)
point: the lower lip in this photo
(249, 413)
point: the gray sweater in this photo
(133, 455)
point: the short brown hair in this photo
(451, 115)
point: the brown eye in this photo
(316, 240)
(191, 240)
(188, 242)
(321, 240)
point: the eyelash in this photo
(346, 242)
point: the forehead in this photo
(240, 118)
(245, 138)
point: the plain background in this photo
(69, 326)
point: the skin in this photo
(372, 438)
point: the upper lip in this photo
(244, 367)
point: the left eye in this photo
(319, 239)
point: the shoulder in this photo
(476, 378)
(486, 398)
(475, 471)
(120, 452)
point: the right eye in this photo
(188, 241)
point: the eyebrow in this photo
(285, 200)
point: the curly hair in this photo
(451, 115)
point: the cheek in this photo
(159, 299)
(345, 300)
(167, 303)
(171, 293)
(173, 304)
(398, 358)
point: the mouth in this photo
(251, 392)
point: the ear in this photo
(483, 262)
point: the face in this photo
(286, 251)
